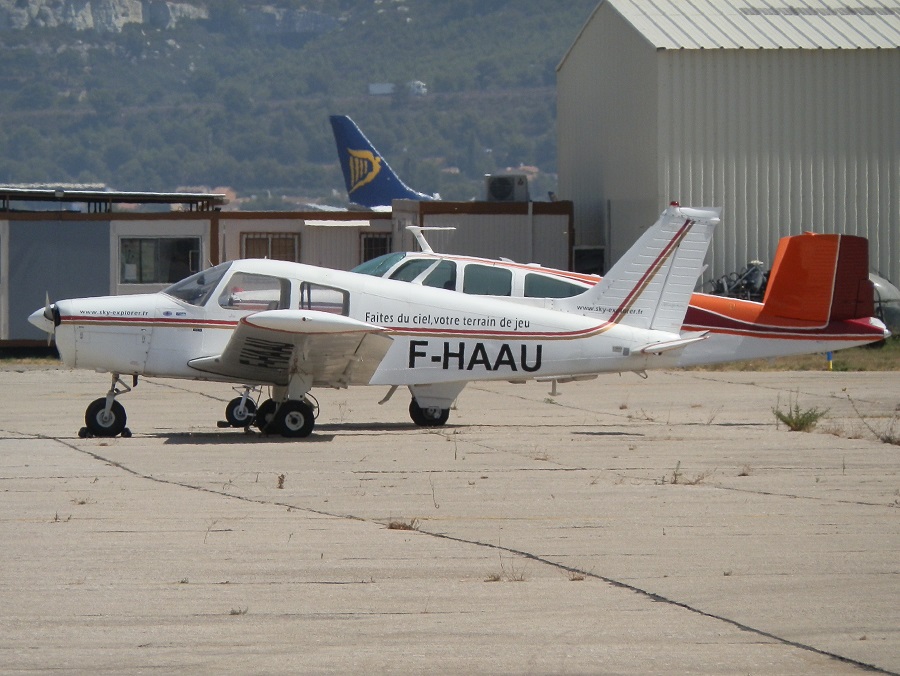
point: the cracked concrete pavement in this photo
(618, 526)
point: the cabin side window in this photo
(485, 280)
(542, 286)
(324, 299)
(411, 269)
(248, 292)
(443, 276)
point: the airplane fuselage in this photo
(736, 329)
(438, 336)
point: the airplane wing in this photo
(329, 349)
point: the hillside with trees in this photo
(241, 98)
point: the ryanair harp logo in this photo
(364, 167)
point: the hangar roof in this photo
(764, 24)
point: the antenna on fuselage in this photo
(417, 231)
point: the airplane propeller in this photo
(51, 314)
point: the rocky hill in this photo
(152, 95)
(107, 16)
(110, 16)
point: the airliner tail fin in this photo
(369, 179)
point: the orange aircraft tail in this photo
(820, 278)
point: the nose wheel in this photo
(241, 411)
(105, 417)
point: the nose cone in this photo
(39, 319)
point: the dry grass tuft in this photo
(412, 524)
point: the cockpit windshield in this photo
(197, 288)
(378, 266)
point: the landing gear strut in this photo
(241, 411)
(105, 417)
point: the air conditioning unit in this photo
(506, 188)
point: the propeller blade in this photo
(51, 314)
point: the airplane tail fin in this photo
(369, 178)
(820, 278)
(650, 287)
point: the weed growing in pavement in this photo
(713, 414)
(678, 477)
(797, 419)
(510, 572)
(887, 435)
(412, 524)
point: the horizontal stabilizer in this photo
(669, 345)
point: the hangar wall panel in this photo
(65, 259)
(786, 141)
(606, 121)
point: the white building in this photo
(47, 246)
(784, 112)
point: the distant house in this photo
(382, 88)
(416, 88)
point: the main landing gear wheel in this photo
(101, 423)
(429, 416)
(264, 416)
(240, 414)
(295, 418)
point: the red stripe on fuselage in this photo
(698, 319)
(146, 321)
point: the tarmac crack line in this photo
(652, 596)
(831, 395)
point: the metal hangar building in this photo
(784, 112)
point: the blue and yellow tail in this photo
(370, 181)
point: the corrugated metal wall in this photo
(786, 141)
(606, 121)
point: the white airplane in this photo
(294, 327)
(819, 297)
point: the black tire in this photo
(264, 415)
(428, 417)
(240, 416)
(295, 419)
(101, 425)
